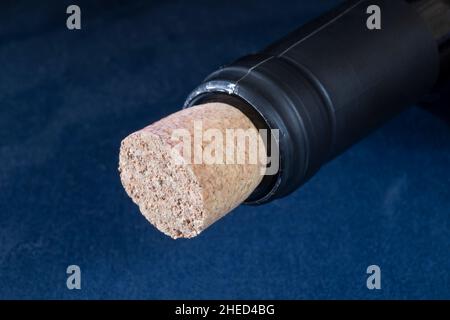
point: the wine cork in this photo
(183, 190)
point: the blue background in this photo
(67, 99)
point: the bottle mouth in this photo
(223, 91)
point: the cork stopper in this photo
(189, 169)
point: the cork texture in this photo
(182, 198)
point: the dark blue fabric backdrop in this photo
(67, 98)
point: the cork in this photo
(178, 191)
